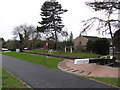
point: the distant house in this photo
(81, 41)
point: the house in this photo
(81, 41)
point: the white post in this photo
(65, 48)
(71, 49)
(17, 50)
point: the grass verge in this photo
(10, 81)
(107, 80)
(81, 54)
(42, 60)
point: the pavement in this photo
(38, 76)
(88, 69)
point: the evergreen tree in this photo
(102, 46)
(90, 46)
(71, 39)
(51, 23)
(3, 42)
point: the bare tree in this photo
(25, 33)
(105, 25)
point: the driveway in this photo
(38, 76)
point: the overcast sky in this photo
(16, 12)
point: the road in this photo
(38, 76)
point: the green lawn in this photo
(10, 81)
(42, 60)
(108, 80)
(81, 54)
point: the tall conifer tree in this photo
(51, 23)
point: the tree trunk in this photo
(56, 39)
(111, 38)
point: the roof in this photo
(92, 38)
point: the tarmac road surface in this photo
(38, 76)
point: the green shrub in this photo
(102, 46)
(118, 57)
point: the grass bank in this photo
(42, 60)
(107, 80)
(81, 54)
(10, 81)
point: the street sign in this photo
(46, 44)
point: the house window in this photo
(80, 43)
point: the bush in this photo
(90, 46)
(102, 46)
(118, 57)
